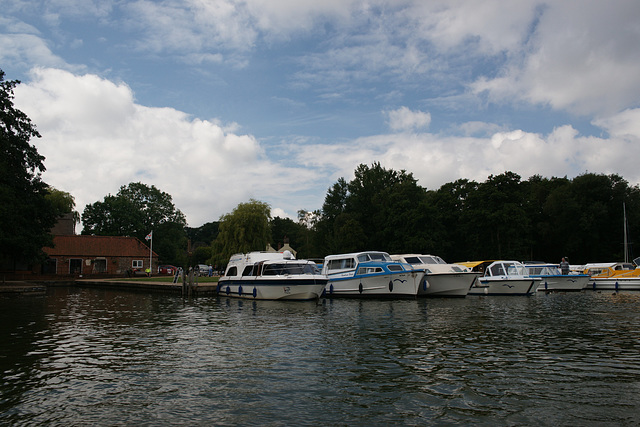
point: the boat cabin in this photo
(543, 270)
(505, 268)
(610, 269)
(371, 262)
(268, 264)
(430, 263)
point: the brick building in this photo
(97, 255)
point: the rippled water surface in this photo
(97, 357)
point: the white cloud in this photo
(626, 123)
(581, 57)
(24, 49)
(96, 138)
(403, 119)
(435, 160)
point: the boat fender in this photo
(486, 290)
(546, 286)
(594, 285)
(390, 286)
(331, 288)
(616, 285)
(360, 288)
(425, 285)
(240, 290)
(228, 290)
(219, 288)
(255, 292)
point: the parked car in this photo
(203, 269)
(167, 269)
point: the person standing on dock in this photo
(564, 266)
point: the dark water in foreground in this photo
(96, 357)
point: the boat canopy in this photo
(506, 268)
(543, 270)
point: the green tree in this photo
(26, 215)
(135, 211)
(456, 238)
(63, 203)
(243, 230)
(327, 232)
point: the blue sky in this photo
(216, 102)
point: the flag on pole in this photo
(149, 236)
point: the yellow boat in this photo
(613, 276)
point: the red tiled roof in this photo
(91, 246)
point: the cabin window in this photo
(233, 271)
(247, 270)
(283, 269)
(429, 260)
(456, 269)
(136, 263)
(369, 270)
(341, 264)
(413, 260)
(395, 267)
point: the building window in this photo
(136, 263)
(99, 265)
(50, 266)
(75, 266)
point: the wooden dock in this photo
(40, 287)
(195, 289)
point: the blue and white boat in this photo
(271, 276)
(505, 278)
(370, 274)
(552, 279)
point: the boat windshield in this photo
(507, 269)
(373, 256)
(431, 259)
(515, 270)
(543, 270)
(281, 269)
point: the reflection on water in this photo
(83, 356)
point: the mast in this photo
(626, 251)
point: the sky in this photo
(219, 101)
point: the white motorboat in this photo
(504, 278)
(370, 274)
(440, 279)
(552, 279)
(271, 276)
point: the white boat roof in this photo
(601, 265)
(398, 256)
(353, 255)
(258, 256)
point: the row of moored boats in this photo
(279, 275)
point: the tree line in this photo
(383, 209)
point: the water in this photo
(95, 357)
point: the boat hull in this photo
(484, 286)
(564, 283)
(614, 284)
(398, 285)
(272, 288)
(448, 285)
